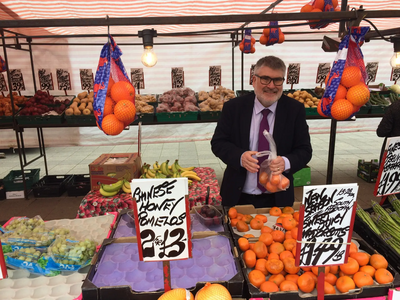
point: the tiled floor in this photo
(350, 146)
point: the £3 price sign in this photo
(3, 269)
(161, 218)
(388, 181)
(327, 223)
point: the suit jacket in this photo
(232, 138)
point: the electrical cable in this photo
(376, 29)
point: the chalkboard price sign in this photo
(46, 79)
(177, 78)
(388, 181)
(293, 74)
(322, 72)
(328, 215)
(161, 217)
(63, 80)
(17, 80)
(86, 79)
(214, 76)
(395, 75)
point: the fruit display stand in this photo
(116, 271)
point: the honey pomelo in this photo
(341, 109)
(177, 294)
(351, 76)
(214, 291)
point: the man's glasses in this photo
(267, 80)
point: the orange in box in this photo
(109, 168)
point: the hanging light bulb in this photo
(149, 58)
(395, 60)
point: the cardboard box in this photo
(367, 177)
(302, 177)
(110, 168)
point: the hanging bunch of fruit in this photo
(272, 35)
(320, 6)
(247, 44)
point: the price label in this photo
(293, 74)
(63, 80)
(251, 74)
(214, 76)
(3, 84)
(395, 74)
(327, 224)
(46, 79)
(322, 72)
(178, 77)
(371, 68)
(388, 181)
(3, 269)
(17, 80)
(137, 78)
(161, 218)
(87, 82)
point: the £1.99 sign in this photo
(388, 181)
(327, 224)
(161, 218)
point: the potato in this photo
(297, 98)
(296, 94)
(306, 105)
(301, 100)
(290, 95)
(310, 103)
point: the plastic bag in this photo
(272, 182)
(349, 55)
(110, 66)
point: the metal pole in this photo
(29, 40)
(332, 141)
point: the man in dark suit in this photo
(235, 140)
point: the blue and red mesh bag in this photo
(3, 66)
(110, 65)
(349, 54)
(273, 36)
(328, 6)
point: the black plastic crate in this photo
(51, 186)
(79, 185)
(2, 190)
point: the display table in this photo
(94, 204)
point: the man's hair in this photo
(273, 62)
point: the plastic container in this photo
(210, 115)
(181, 116)
(13, 181)
(208, 215)
(79, 185)
(51, 186)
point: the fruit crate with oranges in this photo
(117, 273)
(273, 291)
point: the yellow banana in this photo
(113, 187)
(164, 168)
(149, 175)
(187, 169)
(156, 166)
(151, 172)
(126, 190)
(191, 176)
(188, 173)
(127, 184)
(107, 194)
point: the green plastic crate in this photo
(13, 181)
(144, 118)
(210, 115)
(81, 120)
(311, 111)
(177, 116)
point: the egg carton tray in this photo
(96, 228)
(22, 285)
(118, 273)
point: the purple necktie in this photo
(263, 144)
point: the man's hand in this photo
(277, 166)
(249, 162)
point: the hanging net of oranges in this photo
(114, 95)
(346, 90)
(320, 6)
(247, 44)
(272, 35)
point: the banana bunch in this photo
(126, 187)
(164, 170)
(109, 190)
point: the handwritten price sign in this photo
(214, 76)
(322, 72)
(327, 224)
(86, 79)
(388, 181)
(161, 218)
(17, 80)
(46, 79)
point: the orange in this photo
(275, 179)
(368, 269)
(263, 218)
(344, 284)
(247, 218)
(288, 223)
(319, 110)
(329, 289)
(261, 266)
(315, 270)
(249, 258)
(289, 244)
(273, 256)
(361, 257)
(358, 94)
(378, 261)
(285, 254)
(294, 232)
(290, 265)
(241, 45)
(313, 276)
(263, 178)
(125, 111)
(266, 31)
(277, 279)
(111, 125)
(266, 238)
(341, 109)
(351, 76)
(306, 283)
(335, 3)
(351, 267)
(108, 106)
(274, 266)
(243, 244)
(123, 90)
(340, 93)
(269, 287)
(234, 222)
(266, 229)
(271, 187)
(256, 278)
(110, 85)
(319, 4)
(260, 249)
(277, 248)
(275, 211)
(239, 216)
(334, 269)
(248, 235)
(353, 248)
(288, 286)
(307, 8)
(288, 210)
(278, 236)
(288, 235)
(241, 226)
(330, 278)
(383, 276)
(252, 49)
(281, 37)
(232, 213)
(279, 220)
(361, 279)
(292, 277)
(256, 223)
(263, 39)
